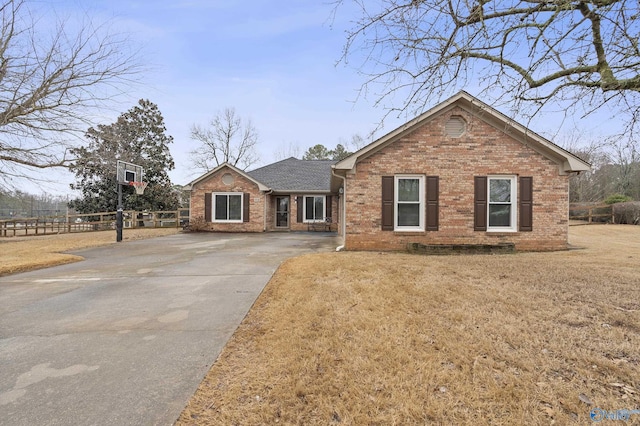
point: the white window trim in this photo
(128, 173)
(514, 204)
(304, 208)
(213, 207)
(421, 200)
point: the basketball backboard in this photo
(128, 172)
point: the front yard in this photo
(373, 338)
(20, 254)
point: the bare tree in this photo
(50, 83)
(626, 155)
(356, 142)
(528, 53)
(615, 167)
(227, 139)
(587, 186)
(284, 151)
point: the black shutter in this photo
(246, 199)
(526, 204)
(387, 202)
(207, 207)
(327, 202)
(433, 188)
(299, 201)
(480, 203)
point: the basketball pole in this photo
(119, 215)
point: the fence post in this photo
(613, 216)
(51, 225)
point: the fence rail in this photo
(92, 222)
(599, 213)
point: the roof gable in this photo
(261, 186)
(289, 175)
(293, 175)
(566, 160)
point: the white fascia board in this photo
(568, 162)
(261, 186)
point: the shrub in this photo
(617, 198)
(197, 224)
(628, 213)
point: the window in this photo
(409, 203)
(497, 207)
(313, 208)
(405, 207)
(501, 203)
(227, 207)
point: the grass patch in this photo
(379, 338)
(19, 254)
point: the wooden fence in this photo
(591, 213)
(92, 222)
(600, 213)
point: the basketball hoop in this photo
(139, 186)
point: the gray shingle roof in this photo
(295, 175)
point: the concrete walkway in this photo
(125, 337)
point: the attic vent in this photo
(228, 179)
(455, 127)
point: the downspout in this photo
(343, 212)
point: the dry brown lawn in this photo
(396, 339)
(19, 254)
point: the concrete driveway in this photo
(125, 337)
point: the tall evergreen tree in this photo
(317, 152)
(320, 152)
(139, 137)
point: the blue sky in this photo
(273, 61)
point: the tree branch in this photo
(48, 91)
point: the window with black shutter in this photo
(526, 204)
(299, 208)
(480, 203)
(387, 202)
(246, 200)
(207, 207)
(433, 190)
(495, 203)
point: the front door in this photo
(282, 212)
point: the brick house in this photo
(289, 195)
(461, 173)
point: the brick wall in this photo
(303, 226)
(257, 223)
(214, 183)
(482, 150)
(271, 212)
(294, 225)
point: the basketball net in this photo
(139, 186)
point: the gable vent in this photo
(455, 127)
(228, 179)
